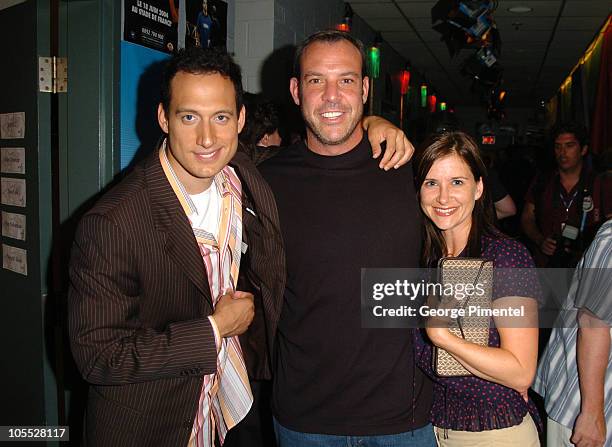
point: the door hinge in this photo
(53, 74)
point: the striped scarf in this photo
(226, 395)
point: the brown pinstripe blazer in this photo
(138, 302)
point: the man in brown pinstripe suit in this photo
(143, 328)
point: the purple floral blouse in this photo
(471, 403)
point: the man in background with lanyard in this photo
(559, 216)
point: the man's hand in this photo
(548, 246)
(398, 151)
(233, 313)
(589, 430)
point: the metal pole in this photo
(372, 96)
(402, 112)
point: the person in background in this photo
(503, 203)
(575, 372)
(262, 126)
(489, 407)
(560, 215)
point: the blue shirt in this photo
(204, 25)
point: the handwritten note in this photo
(12, 125)
(14, 225)
(13, 191)
(12, 160)
(15, 259)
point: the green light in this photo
(423, 95)
(442, 106)
(374, 62)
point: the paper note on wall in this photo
(15, 259)
(14, 225)
(13, 191)
(12, 125)
(12, 160)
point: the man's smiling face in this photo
(331, 93)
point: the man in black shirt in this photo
(340, 213)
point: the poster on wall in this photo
(150, 23)
(161, 24)
(206, 23)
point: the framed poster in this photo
(150, 23)
(161, 24)
(206, 23)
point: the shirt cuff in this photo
(216, 332)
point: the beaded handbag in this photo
(473, 326)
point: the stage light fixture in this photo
(463, 23)
(347, 20)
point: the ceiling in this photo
(536, 58)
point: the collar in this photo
(223, 182)
(355, 157)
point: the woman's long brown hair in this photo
(436, 147)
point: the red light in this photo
(405, 82)
(432, 103)
(488, 139)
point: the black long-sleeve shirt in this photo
(339, 214)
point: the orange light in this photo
(343, 27)
(502, 95)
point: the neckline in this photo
(352, 158)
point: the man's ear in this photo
(584, 150)
(161, 118)
(294, 88)
(366, 89)
(241, 118)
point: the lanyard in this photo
(566, 204)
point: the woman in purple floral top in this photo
(489, 407)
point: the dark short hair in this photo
(197, 60)
(578, 130)
(262, 118)
(331, 36)
(459, 143)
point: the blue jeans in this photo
(421, 437)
